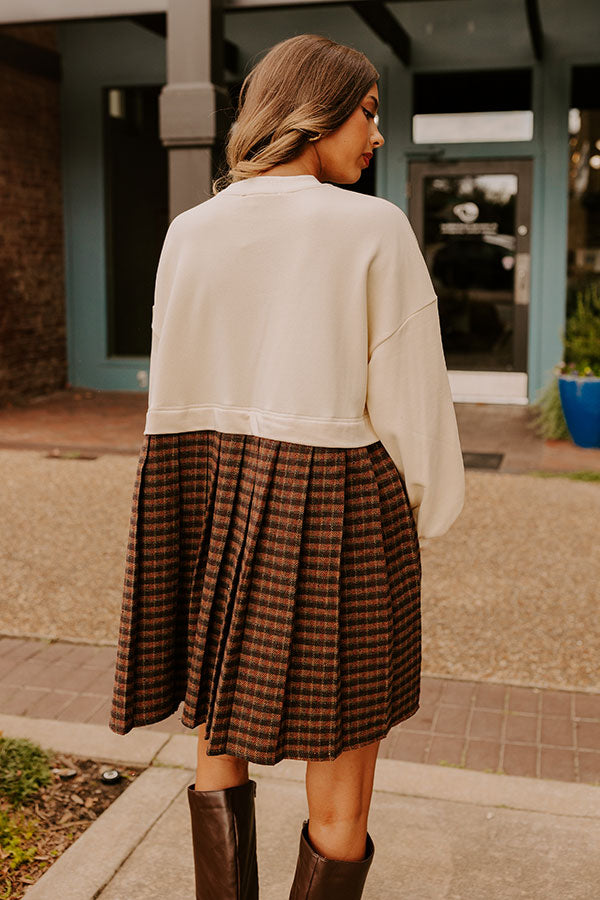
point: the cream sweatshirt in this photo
(296, 310)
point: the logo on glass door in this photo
(466, 212)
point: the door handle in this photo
(522, 278)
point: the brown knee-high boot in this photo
(320, 878)
(224, 842)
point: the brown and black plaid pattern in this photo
(274, 588)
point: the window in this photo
(465, 107)
(583, 256)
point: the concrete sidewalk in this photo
(439, 834)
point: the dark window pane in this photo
(474, 91)
(136, 192)
(585, 87)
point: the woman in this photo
(300, 438)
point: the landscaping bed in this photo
(47, 800)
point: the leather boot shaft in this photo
(224, 842)
(320, 878)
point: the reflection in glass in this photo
(583, 258)
(469, 246)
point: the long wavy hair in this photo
(305, 86)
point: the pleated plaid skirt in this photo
(272, 589)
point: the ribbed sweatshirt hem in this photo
(353, 432)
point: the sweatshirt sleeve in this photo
(166, 272)
(409, 400)
(164, 286)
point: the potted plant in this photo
(579, 372)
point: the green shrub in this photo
(16, 830)
(23, 769)
(549, 419)
(579, 284)
(581, 335)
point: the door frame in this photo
(472, 386)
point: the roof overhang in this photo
(421, 32)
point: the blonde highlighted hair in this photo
(305, 87)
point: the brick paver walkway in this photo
(113, 422)
(534, 732)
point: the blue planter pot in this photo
(580, 399)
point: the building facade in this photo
(114, 118)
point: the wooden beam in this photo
(386, 26)
(154, 22)
(534, 23)
(26, 57)
(157, 24)
(16, 11)
(244, 5)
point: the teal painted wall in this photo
(102, 53)
(95, 55)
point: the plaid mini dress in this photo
(272, 589)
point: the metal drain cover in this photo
(482, 460)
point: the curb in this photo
(430, 782)
(90, 863)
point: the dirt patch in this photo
(45, 825)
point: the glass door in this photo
(472, 219)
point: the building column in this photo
(194, 107)
(545, 339)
